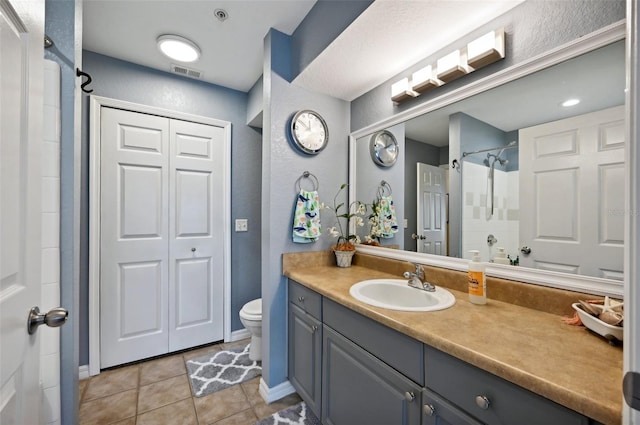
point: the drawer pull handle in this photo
(301, 298)
(482, 402)
(429, 410)
(409, 396)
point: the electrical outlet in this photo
(242, 225)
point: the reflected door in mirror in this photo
(572, 194)
(432, 222)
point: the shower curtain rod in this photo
(513, 144)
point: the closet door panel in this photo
(196, 250)
(134, 233)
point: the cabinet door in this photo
(358, 388)
(436, 411)
(305, 356)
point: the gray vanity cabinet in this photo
(305, 345)
(360, 389)
(437, 411)
(490, 398)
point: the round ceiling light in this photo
(570, 102)
(178, 48)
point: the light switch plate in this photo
(242, 225)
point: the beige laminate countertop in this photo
(531, 348)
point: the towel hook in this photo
(307, 175)
(384, 189)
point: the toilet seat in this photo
(252, 310)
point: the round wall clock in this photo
(384, 148)
(309, 131)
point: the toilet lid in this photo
(254, 307)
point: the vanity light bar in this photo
(479, 53)
(401, 91)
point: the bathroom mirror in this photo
(481, 145)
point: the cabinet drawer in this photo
(306, 299)
(399, 351)
(461, 383)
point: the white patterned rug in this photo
(298, 414)
(221, 370)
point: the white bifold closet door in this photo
(161, 258)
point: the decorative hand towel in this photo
(306, 217)
(388, 225)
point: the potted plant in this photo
(344, 213)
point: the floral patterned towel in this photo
(387, 218)
(306, 217)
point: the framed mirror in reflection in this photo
(534, 166)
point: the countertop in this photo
(529, 347)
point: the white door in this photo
(161, 281)
(21, 109)
(196, 264)
(432, 219)
(134, 257)
(572, 186)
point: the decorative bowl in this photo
(610, 332)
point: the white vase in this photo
(343, 258)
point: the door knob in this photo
(417, 237)
(525, 250)
(54, 318)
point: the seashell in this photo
(611, 317)
(590, 308)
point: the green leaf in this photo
(339, 206)
(343, 186)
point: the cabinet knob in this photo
(482, 402)
(301, 298)
(429, 410)
(314, 328)
(409, 396)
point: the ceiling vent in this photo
(186, 72)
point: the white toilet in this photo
(251, 318)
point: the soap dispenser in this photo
(477, 279)
(501, 257)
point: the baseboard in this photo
(276, 393)
(83, 372)
(240, 334)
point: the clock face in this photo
(384, 148)
(309, 131)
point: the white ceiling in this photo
(385, 39)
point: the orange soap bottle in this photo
(477, 279)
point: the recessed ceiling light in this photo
(178, 48)
(570, 102)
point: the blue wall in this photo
(281, 167)
(125, 81)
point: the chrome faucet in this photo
(416, 279)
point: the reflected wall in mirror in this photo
(519, 170)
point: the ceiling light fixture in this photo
(570, 102)
(178, 48)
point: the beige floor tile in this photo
(82, 386)
(246, 417)
(111, 382)
(221, 404)
(110, 409)
(262, 410)
(161, 369)
(180, 413)
(251, 389)
(162, 393)
(128, 421)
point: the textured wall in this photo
(125, 81)
(281, 167)
(531, 29)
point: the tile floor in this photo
(158, 392)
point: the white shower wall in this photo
(50, 337)
(503, 225)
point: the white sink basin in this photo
(396, 294)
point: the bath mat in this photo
(298, 414)
(217, 371)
